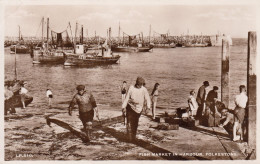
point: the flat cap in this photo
(206, 83)
(80, 87)
(140, 81)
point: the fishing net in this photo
(61, 39)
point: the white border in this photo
(4, 3)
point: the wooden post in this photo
(225, 72)
(251, 89)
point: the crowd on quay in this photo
(210, 111)
(205, 107)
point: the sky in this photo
(233, 20)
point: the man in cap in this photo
(212, 95)
(87, 105)
(201, 98)
(133, 106)
(211, 106)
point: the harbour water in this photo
(178, 70)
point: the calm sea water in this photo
(177, 70)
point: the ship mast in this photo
(109, 37)
(119, 34)
(150, 34)
(75, 40)
(87, 36)
(82, 34)
(15, 67)
(42, 30)
(47, 33)
(19, 34)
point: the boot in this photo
(89, 129)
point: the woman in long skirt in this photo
(155, 94)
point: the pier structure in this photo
(225, 53)
(251, 89)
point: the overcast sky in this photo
(177, 19)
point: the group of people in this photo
(136, 99)
(11, 96)
(16, 95)
(206, 106)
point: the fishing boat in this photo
(92, 57)
(20, 48)
(133, 45)
(131, 49)
(52, 53)
(172, 45)
(163, 41)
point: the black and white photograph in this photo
(129, 80)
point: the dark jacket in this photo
(201, 95)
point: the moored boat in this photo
(54, 53)
(130, 49)
(19, 48)
(165, 46)
(133, 45)
(91, 58)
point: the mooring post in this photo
(225, 72)
(251, 89)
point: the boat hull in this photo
(20, 50)
(90, 61)
(40, 57)
(195, 45)
(131, 49)
(49, 60)
(164, 46)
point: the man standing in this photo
(239, 113)
(211, 100)
(212, 95)
(201, 99)
(133, 106)
(87, 105)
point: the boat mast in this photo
(75, 40)
(47, 33)
(15, 68)
(109, 37)
(150, 34)
(82, 34)
(95, 37)
(42, 30)
(119, 34)
(87, 37)
(71, 33)
(142, 37)
(19, 34)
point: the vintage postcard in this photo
(139, 80)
